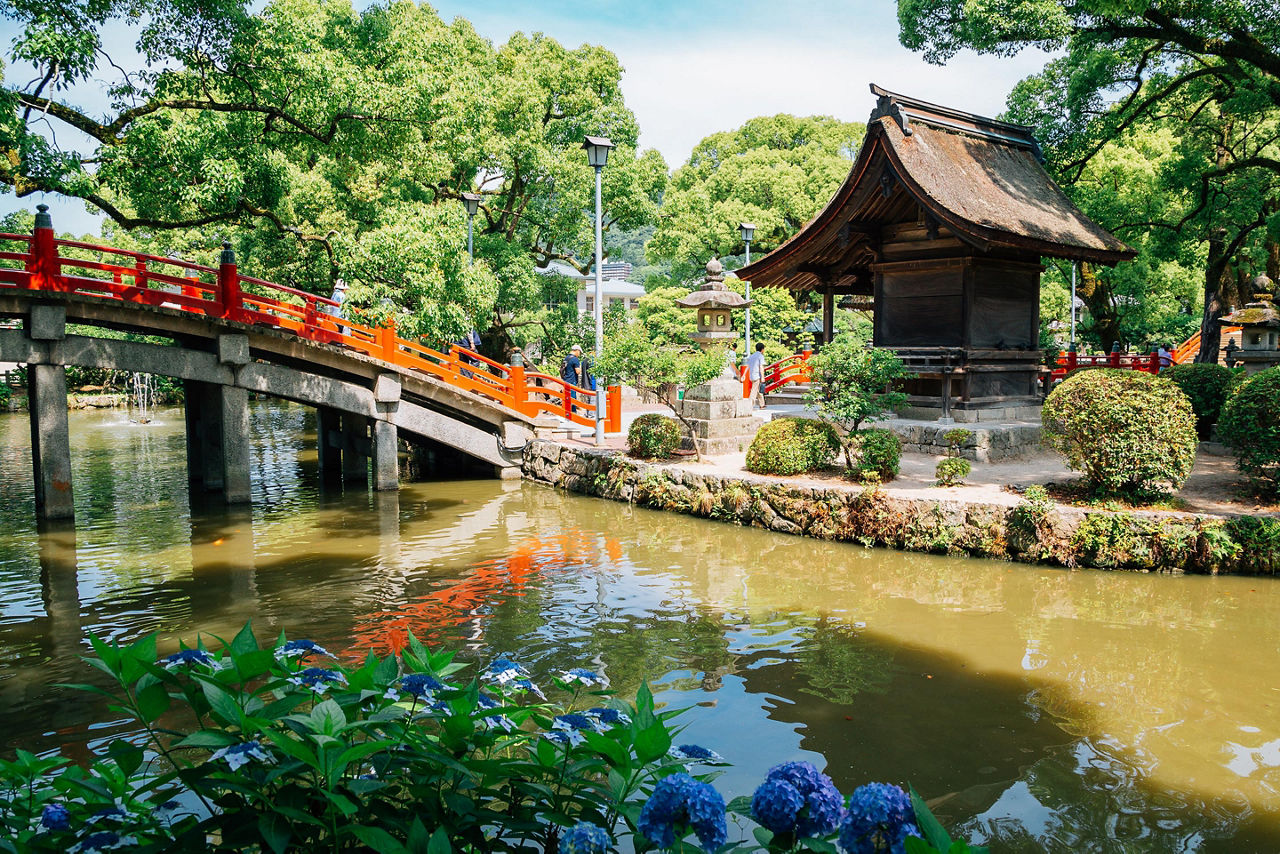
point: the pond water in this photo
(1039, 709)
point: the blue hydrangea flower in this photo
(563, 738)
(798, 798)
(301, 649)
(55, 817)
(521, 686)
(420, 686)
(586, 838)
(691, 753)
(502, 671)
(776, 805)
(242, 754)
(679, 804)
(485, 703)
(574, 720)
(187, 658)
(170, 811)
(582, 676)
(106, 840)
(880, 818)
(609, 717)
(318, 679)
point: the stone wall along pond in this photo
(1034, 531)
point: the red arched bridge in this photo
(235, 334)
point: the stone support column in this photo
(329, 444)
(386, 456)
(386, 440)
(50, 441)
(355, 448)
(50, 433)
(234, 438)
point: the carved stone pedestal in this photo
(721, 417)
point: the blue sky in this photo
(694, 67)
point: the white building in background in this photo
(614, 284)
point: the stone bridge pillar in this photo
(218, 428)
(50, 433)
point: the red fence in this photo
(792, 369)
(126, 276)
(1070, 360)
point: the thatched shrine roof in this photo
(974, 179)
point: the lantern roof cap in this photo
(1260, 313)
(713, 293)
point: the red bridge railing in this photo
(87, 269)
(1069, 361)
(792, 369)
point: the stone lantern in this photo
(714, 303)
(1259, 323)
(717, 412)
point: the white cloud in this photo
(682, 93)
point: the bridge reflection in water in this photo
(1045, 709)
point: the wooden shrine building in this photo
(943, 221)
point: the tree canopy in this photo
(329, 142)
(1204, 73)
(775, 172)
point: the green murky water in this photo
(1043, 709)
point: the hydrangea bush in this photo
(283, 748)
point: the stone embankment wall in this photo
(1031, 531)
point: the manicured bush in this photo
(1207, 386)
(653, 436)
(877, 453)
(1129, 433)
(1250, 425)
(952, 470)
(792, 446)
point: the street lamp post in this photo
(472, 203)
(597, 148)
(748, 231)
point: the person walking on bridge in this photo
(755, 373)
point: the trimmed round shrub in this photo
(952, 470)
(1207, 386)
(877, 453)
(1129, 433)
(653, 436)
(1250, 425)
(792, 446)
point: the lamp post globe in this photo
(748, 231)
(597, 148)
(471, 201)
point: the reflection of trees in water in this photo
(1090, 797)
(839, 662)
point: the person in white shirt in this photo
(755, 373)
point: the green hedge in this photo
(878, 452)
(1207, 386)
(1128, 432)
(792, 446)
(653, 436)
(1250, 425)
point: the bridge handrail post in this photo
(229, 284)
(387, 340)
(519, 394)
(1154, 362)
(613, 409)
(43, 263)
(806, 369)
(1113, 358)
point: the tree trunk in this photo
(1216, 270)
(1100, 301)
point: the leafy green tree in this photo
(1211, 68)
(774, 171)
(327, 142)
(853, 383)
(631, 357)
